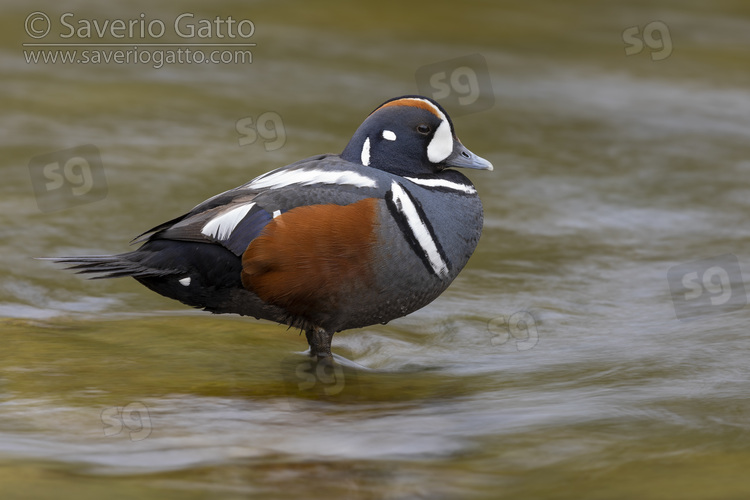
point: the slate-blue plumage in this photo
(328, 243)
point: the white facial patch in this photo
(442, 183)
(221, 227)
(389, 135)
(304, 177)
(419, 229)
(365, 156)
(185, 281)
(441, 145)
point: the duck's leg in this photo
(320, 343)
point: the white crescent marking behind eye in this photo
(389, 135)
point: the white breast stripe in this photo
(283, 178)
(221, 227)
(419, 229)
(443, 184)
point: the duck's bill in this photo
(463, 158)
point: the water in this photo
(559, 365)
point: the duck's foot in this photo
(320, 344)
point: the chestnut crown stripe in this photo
(417, 103)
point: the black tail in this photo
(201, 275)
(113, 266)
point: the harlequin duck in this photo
(328, 243)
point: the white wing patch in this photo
(389, 135)
(365, 156)
(185, 281)
(221, 226)
(419, 229)
(302, 177)
(443, 184)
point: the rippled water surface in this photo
(596, 346)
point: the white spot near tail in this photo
(365, 157)
(419, 229)
(221, 226)
(389, 135)
(185, 281)
(276, 213)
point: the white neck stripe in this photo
(365, 156)
(442, 183)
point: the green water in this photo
(560, 364)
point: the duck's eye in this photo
(424, 129)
